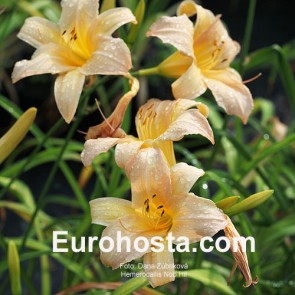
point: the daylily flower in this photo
(111, 126)
(161, 204)
(239, 254)
(81, 44)
(158, 124)
(202, 60)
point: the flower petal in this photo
(175, 65)
(149, 176)
(136, 228)
(94, 147)
(190, 85)
(189, 122)
(67, 91)
(182, 105)
(78, 13)
(159, 267)
(177, 31)
(230, 92)
(111, 57)
(111, 126)
(214, 49)
(195, 217)
(204, 16)
(111, 19)
(46, 59)
(38, 31)
(104, 211)
(183, 177)
(126, 152)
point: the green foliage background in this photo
(39, 182)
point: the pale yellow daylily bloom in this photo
(81, 44)
(158, 124)
(161, 204)
(202, 60)
(239, 254)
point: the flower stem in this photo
(56, 165)
(147, 72)
(247, 36)
(29, 8)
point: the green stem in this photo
(147, 72)
(29, 8)
(56, 165)
(44, 262)
(197, 264)
(286, 75)
(217, 146)
(54, 128)
(131, 285)
(247, 36)
(246, 226)
(74, 185)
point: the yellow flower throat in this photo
(80, 49)
(156, 215)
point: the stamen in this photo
(232, 273)
(103, 116)
(82, 132)
(252, 79)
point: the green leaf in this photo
(106, 5)
(209, 278)
(131, 285)
(274, 148)
(19, 209)
(278, 231)
(250, 202)
(20, 190)
(14, 269)
(139, 15)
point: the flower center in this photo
(152, 121)
(209, 56)
(156, 214)
(78, 45)
(146, 127)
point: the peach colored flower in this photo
(81, 44)
(161, 204)
(202, 60)
(158, 124)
